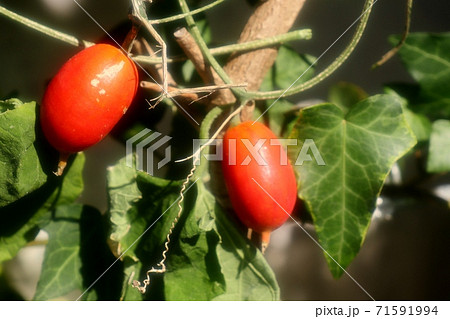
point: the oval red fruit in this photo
(260, 180)
(87, 97)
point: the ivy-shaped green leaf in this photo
(358, 150)
(427, 58)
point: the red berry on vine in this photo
(260, 180)
(87, 97)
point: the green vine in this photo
(294, 89)
(304, 34)
(209, 54)
(44, 29)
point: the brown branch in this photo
(270, 18)
(170, 89)
(191, 94)
(157, 69)
(193, 52)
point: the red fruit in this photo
(87, 97)
(262, 187)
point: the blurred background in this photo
(406, 254)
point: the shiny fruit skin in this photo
(87, 97)
(254, 207)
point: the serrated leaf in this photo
(22, 219)
(439, 150)
(358, 150)
(20, 167)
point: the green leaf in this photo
(215, 261)
(358, 150)
(10, 104)
(420, 102)
(345, 95)
(62, 263)
(439, 150)
(245, 270)
(427, 58)
(280, 115)
(137, 200)
(289, 67)
(22, 219)
(131, 269)
(142, 211)
(420, 124)
(77, 256)
(194, 270)
(20, 166)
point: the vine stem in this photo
(184, 15)
(44, 29)
(304, 34)
(395, 49)
(205, 50)
(294, 89)
(187, 14)
(196, 155)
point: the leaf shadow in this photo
(99, 267)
